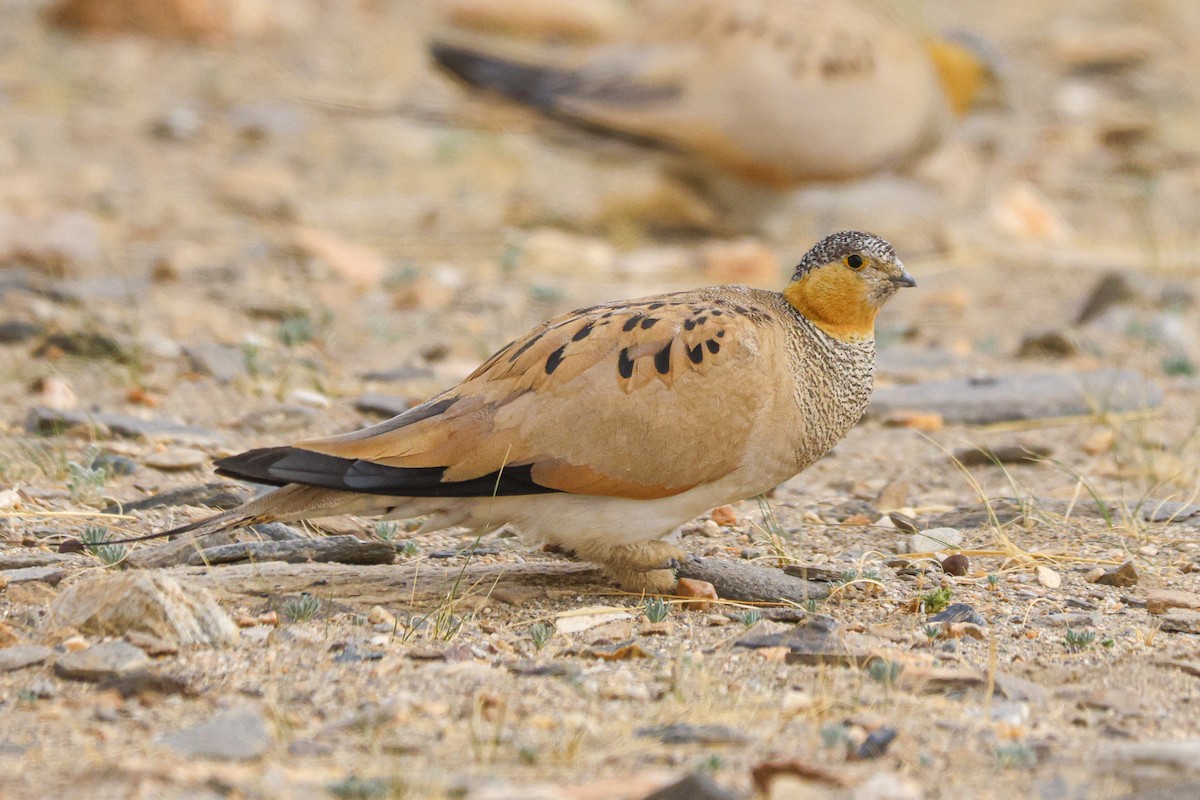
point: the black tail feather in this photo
(539, 87)
(279, 466)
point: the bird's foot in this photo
(644, 567)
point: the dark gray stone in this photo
(17, 331)
(688, 733)
(1169, 511)
(877, 743)
(48, 421)
(980, 401)
(383, 405)
(352, 654)
(84, 344)
(145, 682)
(1111, 289)
(277, 532)
(218, 494)
(746, 580)
(238, 734)
(553, 669)
(1047, 344)
(696, 786)
(814, 641)
(1003, 454)
(959, 612)
(1004, 509)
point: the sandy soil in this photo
(262, 195)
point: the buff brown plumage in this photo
(604, 429)
(776, 92)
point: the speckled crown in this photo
(837, 246)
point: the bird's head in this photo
(843, 281)
(972, 72)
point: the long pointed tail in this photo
(291, 502)
(234, 517)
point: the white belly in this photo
(575, 520)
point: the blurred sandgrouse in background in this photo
(775, 92)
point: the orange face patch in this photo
(835, 300)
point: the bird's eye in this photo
(854, 261)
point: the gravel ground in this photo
(249, 240)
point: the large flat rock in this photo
(117, 604)
(979, 401)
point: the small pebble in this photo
(877, 743)
(1048, 578)
(926, 422)
(956, 565)
(177, 125)
(57, 394)
(378, 615)
(1123, 576)
(304, 397)
(703, 593)
(959, 612)
(725, 516)
(75, 644)
(176, 458)
(9, 498)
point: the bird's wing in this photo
(640, 400)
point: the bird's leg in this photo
(641, 567)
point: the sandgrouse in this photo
(604, 429)
(776, 92)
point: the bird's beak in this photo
(903, 279)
